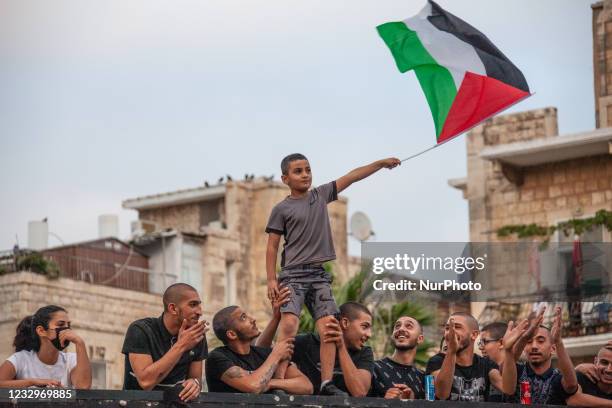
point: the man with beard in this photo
(239, 366)
(462, 375)
(548, 385)
(354, 360)
(596, 379)
(167, 351)
(396, 377)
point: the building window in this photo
(191, 264)
(211, 212)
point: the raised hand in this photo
(390, 163)
(534, 323)
(284, 349)
(283, 297)
(333, 333)
(451, 337)
(189, 337)
(69, 335)
(590, 370)
(514, 333)
(555, 330)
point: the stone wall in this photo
(549, 193)
(184, 217)
(99, 314)
(486, 183)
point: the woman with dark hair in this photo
(39, 359)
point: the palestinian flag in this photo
(465, 77)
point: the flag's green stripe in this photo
(436, 80)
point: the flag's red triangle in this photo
(479, 97)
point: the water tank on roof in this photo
(108, 226)
(38, 235)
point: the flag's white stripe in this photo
(449, 51)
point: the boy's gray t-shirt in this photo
(304, 223)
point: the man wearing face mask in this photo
(167, 352)
(39, 359)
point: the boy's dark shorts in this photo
(309, 285)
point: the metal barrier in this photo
(152, 399)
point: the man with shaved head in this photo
(596, 379)
(598, 391)
(165, 352)
(241, 366)
(460, 374)
(396, 377)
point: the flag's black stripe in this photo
(495, 62)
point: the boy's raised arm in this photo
(362, 172)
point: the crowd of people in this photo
(168, 352)
(171, 351)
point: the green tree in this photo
(384, 312)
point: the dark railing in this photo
(102, 272)
(98, 272)
(148, 399)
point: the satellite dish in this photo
(361, 227)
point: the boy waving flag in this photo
(465, 77)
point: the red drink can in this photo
(525, 393)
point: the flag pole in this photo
(430, 148)
(420, 153)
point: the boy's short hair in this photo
(351, 310)
(222, 322)
(497, 330)
(290, 158)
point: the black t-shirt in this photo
(150, 336)
(306, 356)
(589, 387)
(387, 372)
(544, 389)
(433, 361)
(470, 383)
(222, 358)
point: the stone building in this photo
(225, 225)
(100, 314)
(521, 171)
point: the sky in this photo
(104, 101)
